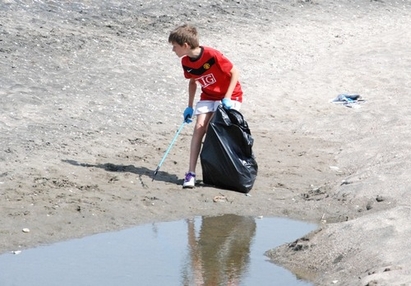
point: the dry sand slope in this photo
(91, 95)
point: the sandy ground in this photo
(91, 96)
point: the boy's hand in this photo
(188, 114)
(227, 104)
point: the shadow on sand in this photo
(140, 171)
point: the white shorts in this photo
(206, 106)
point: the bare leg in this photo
(200, 129)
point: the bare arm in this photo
(235, 74)
(192, 87)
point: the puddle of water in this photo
(222, 250)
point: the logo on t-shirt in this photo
(206, 66)
(206, 80)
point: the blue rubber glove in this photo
(227, 104)
(188, 114)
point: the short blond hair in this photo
(185, 34)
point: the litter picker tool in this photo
(168, 149)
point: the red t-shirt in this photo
(211, 69)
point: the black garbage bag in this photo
(227, 157)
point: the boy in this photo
(218, 79)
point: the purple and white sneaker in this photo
(189, 180)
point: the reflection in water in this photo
(219, 255)
(209, 251)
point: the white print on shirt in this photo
(206, 80)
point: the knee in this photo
(200, 129)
